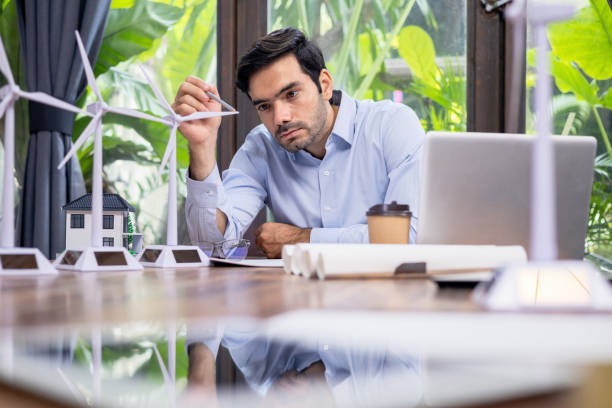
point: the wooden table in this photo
(118, 298)
(215, 292)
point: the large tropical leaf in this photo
(123, 89)
(156, 134)
(569, 79)
(586, 40)
(385, 48)
(417, 49)
(115, 148)
(562, 106)
(191, 48)
(131, 31)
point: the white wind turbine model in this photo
(576, 284)
(172, 254)
(18, 260)
(96, 257)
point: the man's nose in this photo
(282, 114)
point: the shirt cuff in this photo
(208, 192)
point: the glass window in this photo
(108, 221)
(108, 242)
(582, 103)
(409, 51)
(77, 220)
(172, 40)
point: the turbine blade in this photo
(156, 90)
(170, 148)
(5, 68)
(52, 101)
(91, 79)
(137, 114)
(205, 115)
(95, 122)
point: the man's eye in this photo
(292, 94)
(262, 107)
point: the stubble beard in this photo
(319, 119)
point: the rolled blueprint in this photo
(304, 258)
(286, 254)
(386, 259)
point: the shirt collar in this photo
(344, 126)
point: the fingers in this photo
(192, 102)
(184, 109)
(187, 88)
(197, 82)
(192, 93)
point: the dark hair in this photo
(275, 45)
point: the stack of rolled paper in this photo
(384, 260)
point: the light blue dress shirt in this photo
(372, 156)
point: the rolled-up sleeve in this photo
(240, 196)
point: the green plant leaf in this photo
(417, 49)
(349, 37)
(130, 31)
(562, 106)
(191, 49)
(384, 49)
(115, 148)
(607, 100)
(569, 79)
(156, 134)
(586, 39)
(117, 4)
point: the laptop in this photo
(475, 189)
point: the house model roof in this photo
(110, 202)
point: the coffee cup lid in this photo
(394, 208)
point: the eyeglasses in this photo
(229, 249)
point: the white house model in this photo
(116, 231)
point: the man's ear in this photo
(327, 83)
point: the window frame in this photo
(105, 218)
(240, 22)
(77, 225)
(107, 240)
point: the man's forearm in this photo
(201, 372)
(201, 160)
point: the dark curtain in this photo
(52, 65)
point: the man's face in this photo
(289, 104)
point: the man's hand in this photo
(201, 134)
(271, 236)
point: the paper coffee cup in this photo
(389, 223)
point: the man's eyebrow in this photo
(285, 88)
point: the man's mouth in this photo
(289, 133)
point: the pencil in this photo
(221, 101)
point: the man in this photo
(319, 159)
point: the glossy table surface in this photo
(211, 292)
(119, 338)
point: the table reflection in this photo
(346, 374)
(157, 363)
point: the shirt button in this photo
(325, 347)
(326, 173)
(327, 208)
(210, 192)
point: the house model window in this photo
(117, 226)
(108, 221)
(77, 220)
